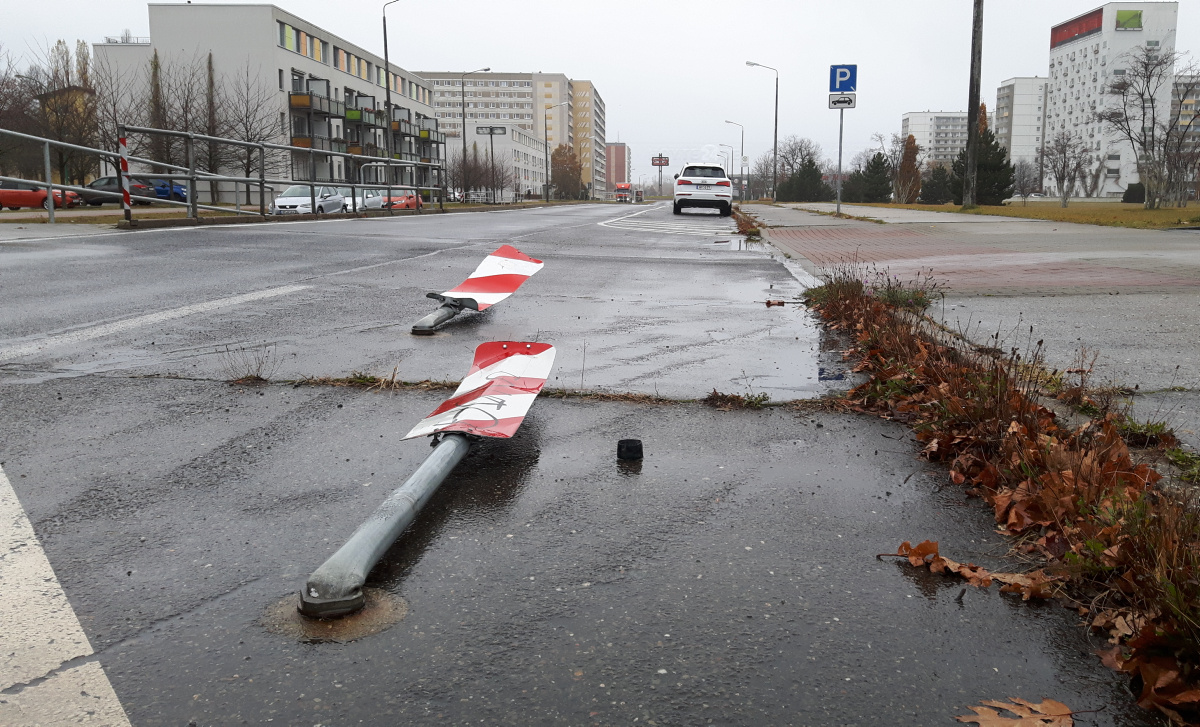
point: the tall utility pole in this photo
(973, 106)
(775, 153)
(388, 142)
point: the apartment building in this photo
(590, 146)
(521, 150)
(1089, 52)
(550, 105)
(330, 93)
(1020, 115)
(620, 164)
(940, 134)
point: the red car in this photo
(403, 199)
(15, 195)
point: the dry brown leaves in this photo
(1047, 713)
(1030, 585)
(1073, 497)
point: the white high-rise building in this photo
(942, 135)
(1087, 54)
(1020, 113)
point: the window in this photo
(280, 79)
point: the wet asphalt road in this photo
(729, 579)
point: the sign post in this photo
(843, 83)
(660, 161)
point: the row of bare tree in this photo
(73, 97)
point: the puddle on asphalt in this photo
(741, 243)
(382, 611)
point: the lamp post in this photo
(388, 143)
(462, 90)
(775, 154)
(730, 148)
(741, 166)
(546, 141)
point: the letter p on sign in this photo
(843, 79)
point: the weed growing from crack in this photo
(248, 364)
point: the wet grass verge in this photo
(1115, 542)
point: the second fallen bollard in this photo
(496, 278)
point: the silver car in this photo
(362, 199)
(297, 200)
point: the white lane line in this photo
(42, 633)
(108, 329)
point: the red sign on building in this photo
(1082, 26)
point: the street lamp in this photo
(462, 90)
(388, 143)
(741, 166)
(730, 148)
(546, 141)
(775, 155)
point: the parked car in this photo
(297, 200)
(168, 189)
(113, 184)
(703, 185)
(363, 199)
(15, 195)
(404, 199)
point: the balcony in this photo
(319, 143)
(436, 137)
(317, 104)
(404, 127)
(365, 117)
(367, 150)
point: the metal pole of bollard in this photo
(50, 184)
(335, 589)
(449, 309)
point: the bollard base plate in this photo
(331, 607)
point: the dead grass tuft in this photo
(248, 365)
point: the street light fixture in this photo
(775, 154)
(730, 148)
(546, 141)
(462, 90)
(741, 167)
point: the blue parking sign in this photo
(843, 79)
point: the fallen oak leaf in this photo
(1047, 713)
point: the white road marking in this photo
(695, 226)
(108, 329)
(41, 633)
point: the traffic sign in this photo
(491, 130)
(843, 79)
(660, 161)
(842, 100)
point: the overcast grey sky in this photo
(672, 71)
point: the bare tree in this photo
(893, 150)
(760, 175)
(1063, 157)
(1025, 181)
(252, 117)
(120, 99)
(1091, 174)
(1141, 113)
(794, 151)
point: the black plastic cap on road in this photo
(629, 449)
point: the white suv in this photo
(703, 185)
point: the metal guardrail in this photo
(193, 174)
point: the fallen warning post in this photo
(496, 278)
(491, 401)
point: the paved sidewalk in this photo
(1131, 295)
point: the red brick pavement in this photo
(966, 267)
